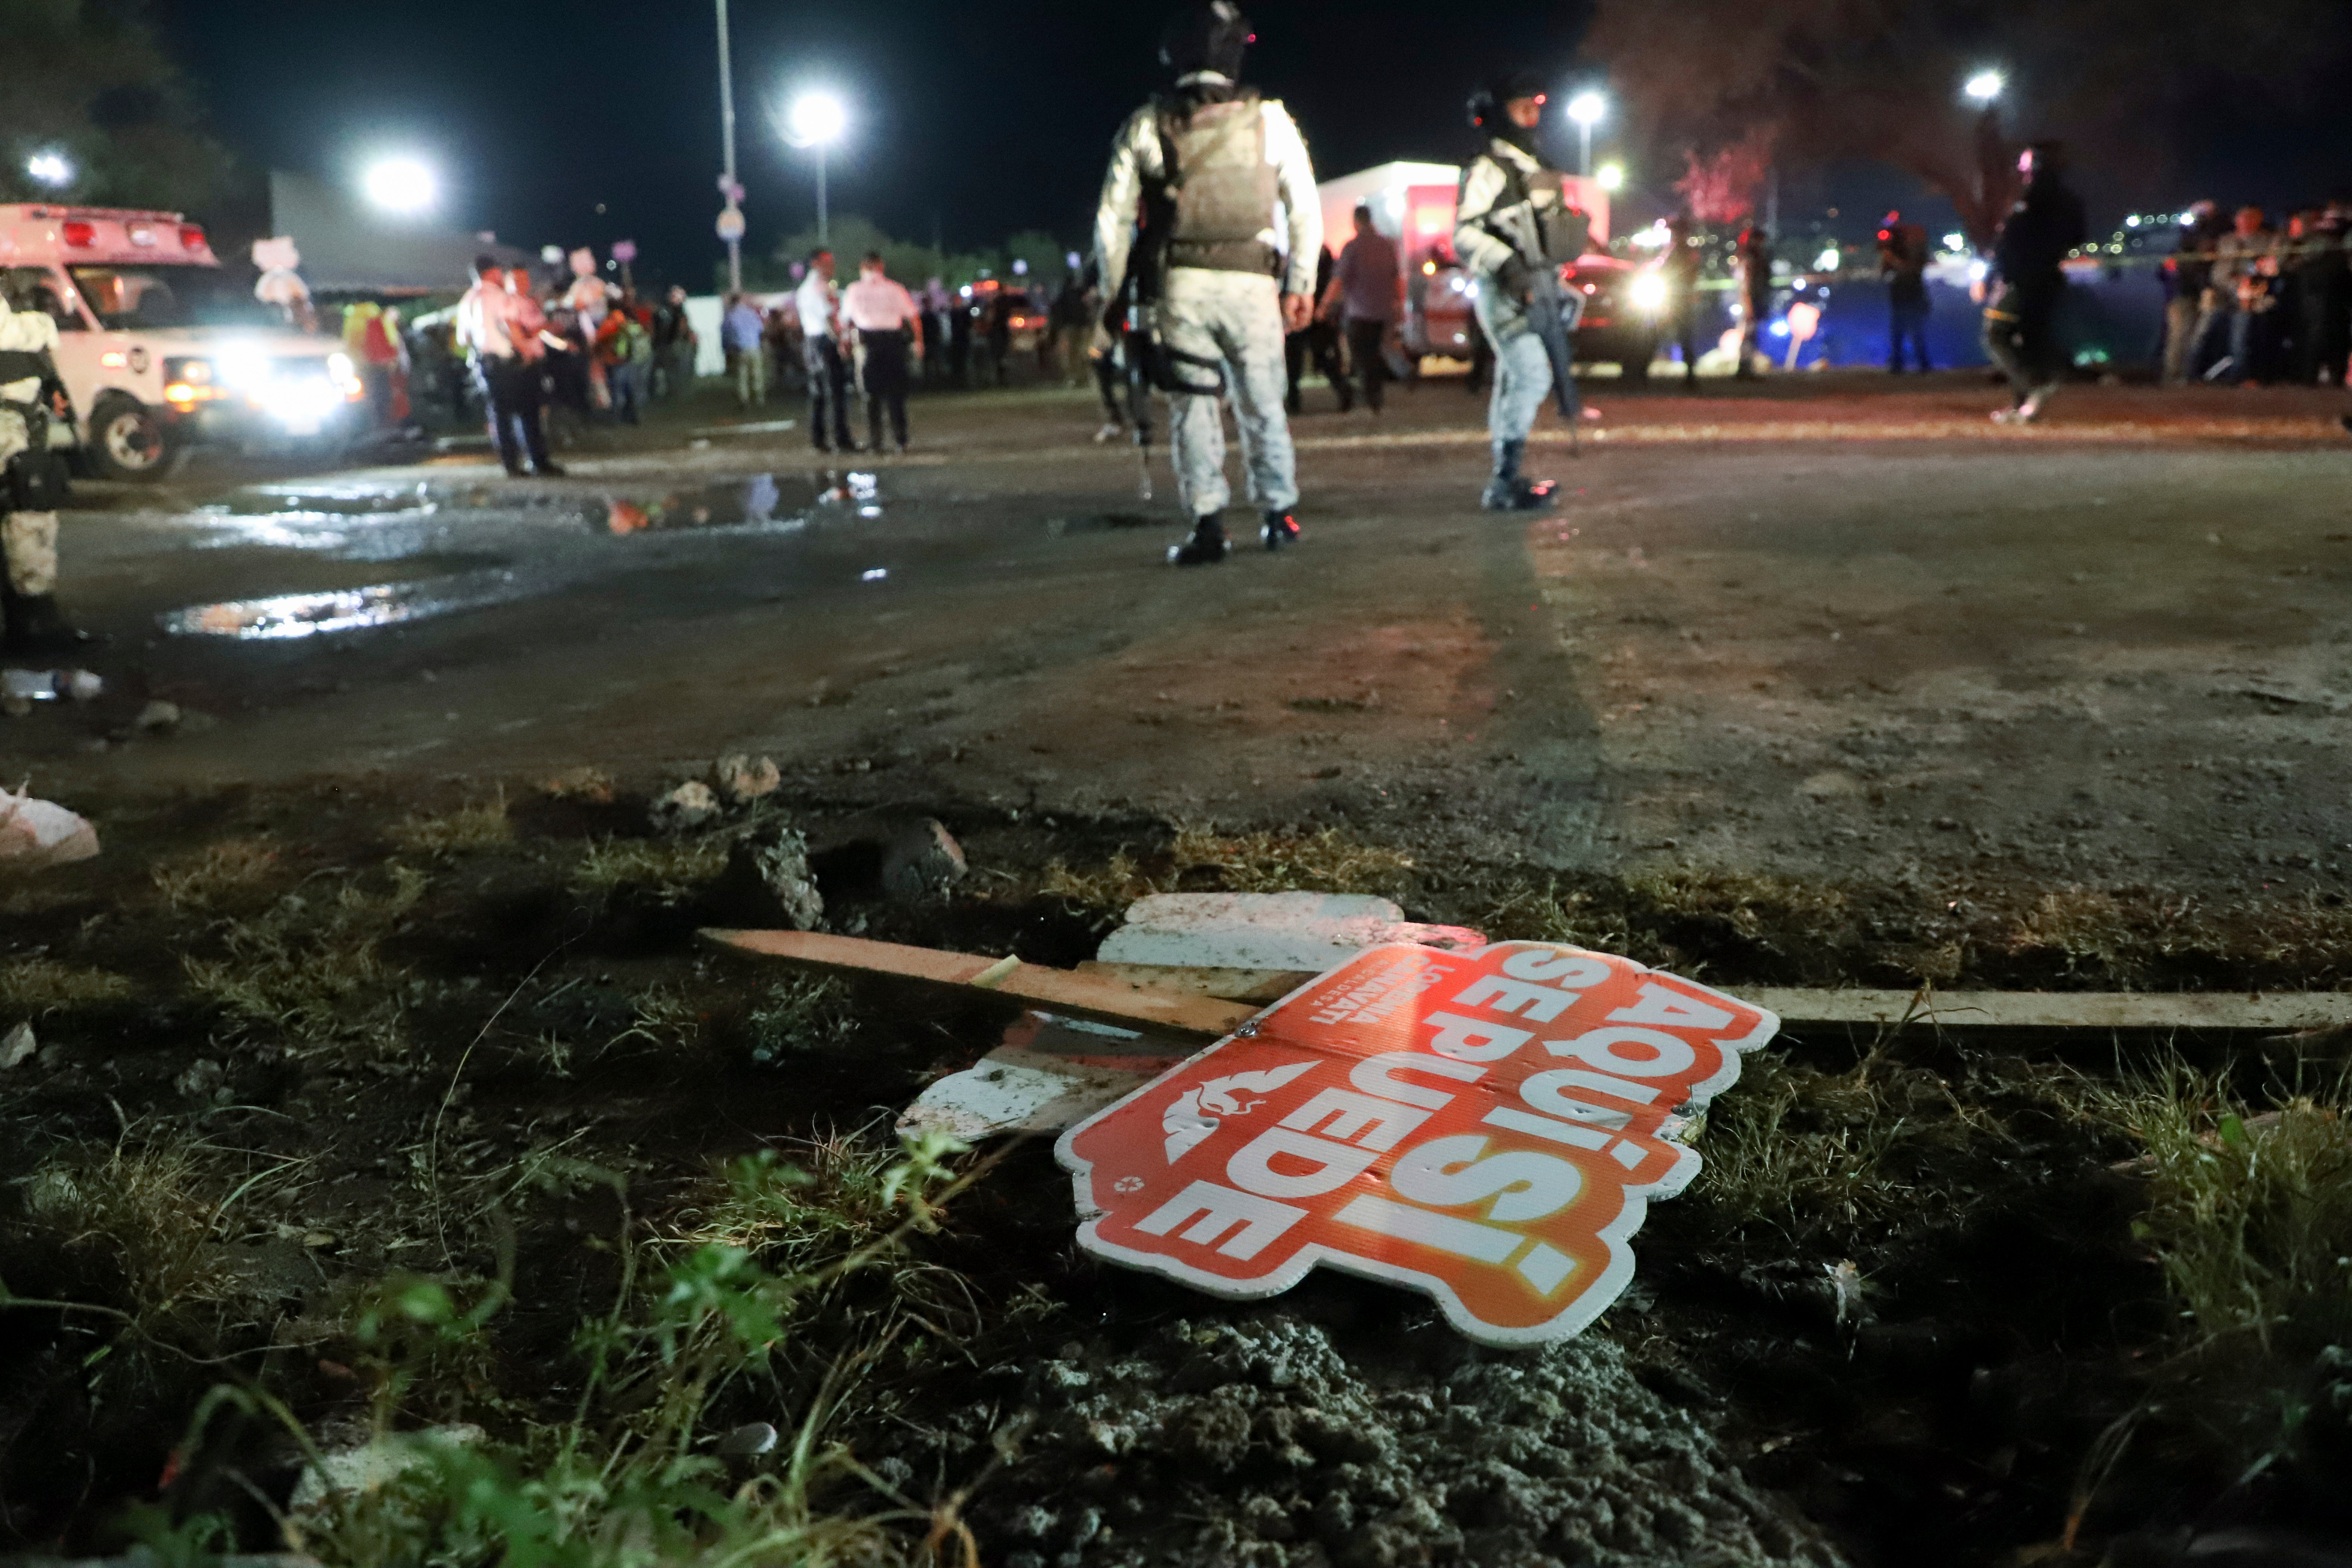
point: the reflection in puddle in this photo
(738, 503)
(344, 610)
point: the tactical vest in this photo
(1219, 192)
(1561, 233)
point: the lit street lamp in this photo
(1984, 87)
(1588, 109)
(401, 185)
(730, 217)
(816, 119)
(51, 169)
(1611, 176)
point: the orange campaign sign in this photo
(1487, 1127)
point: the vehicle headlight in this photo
(242, 368)
(339, 366)
(1649, 292)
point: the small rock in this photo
(689, 805)
(752, 1437)
(201, 1079)
(921, 858)
(16, 1046)
(156, 717)
(776, 857)
(743, 780)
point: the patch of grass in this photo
(310, 967)
(1803, 1153)
(2250, 1206)
(156, 1207)
(711, 1312)
(1530, 913)
(2085, 925)
(1326, 862)
(670, 866)
(39, 984)
(468, 830)
(216, 873)
(1753, 906)
(802, 1014)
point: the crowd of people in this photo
(568, 356)
(2250, 303)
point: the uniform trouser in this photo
(2184, 321)
(1113, 378)
(828, 389)
(1906, 323)
(1522, 368)
(1319, 343)
(886, 387)
(511, 391)
(1368, 358)
(29, 540)
(2021, 337)
(1233, 319)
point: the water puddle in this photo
(289, 615)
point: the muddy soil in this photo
(295, 1043)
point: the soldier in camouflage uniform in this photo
(32, 483)
(1205, 165)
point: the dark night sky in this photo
(982, 119)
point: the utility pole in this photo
(730, 219)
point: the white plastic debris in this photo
(1050, 1073)
(751, 1438)
(16, 1046)
(37, 833)
(50, 685)
(1300, 931)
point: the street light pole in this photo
(727, 137)
(1588, 109)
(823, 228)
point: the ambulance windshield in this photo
(130, 299)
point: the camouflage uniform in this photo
(1207, 165)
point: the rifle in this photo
(1550, 314)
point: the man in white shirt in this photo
(828, 367)
(489, 322)
(1209, 163)
(889, 326)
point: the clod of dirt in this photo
(742, 779)
(157, 717)
(687, 807)
(921, 857)
(773, 864)
(1256, 1442)
(16, 1046)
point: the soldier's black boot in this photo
(1206, 546)
(37, 627)
(1510, 491)
(1279, 531)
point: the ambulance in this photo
(161, 347)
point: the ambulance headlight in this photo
(1649, 293)
(242, 369)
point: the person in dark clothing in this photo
(1682, 266)
(2332, 328)
(1752, 259)
(2314, 260)
(1318, 340)
(1903, 263)
(2188, 277)
(2025, 286)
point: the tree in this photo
(87, 79)
(1831, 79)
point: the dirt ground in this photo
(377, 1076)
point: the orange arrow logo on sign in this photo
(1486, 1127)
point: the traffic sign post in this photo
(1486, 1127)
